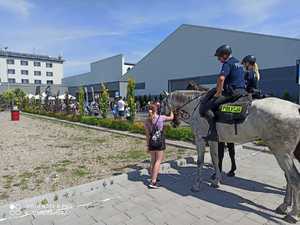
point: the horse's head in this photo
(168, 107)
(181, 103)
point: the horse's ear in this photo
(165, 94)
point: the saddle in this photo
(234, 112)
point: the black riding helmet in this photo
(223, 50)
(249, 59)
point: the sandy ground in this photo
(40, 156)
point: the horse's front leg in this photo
(282, 209)
(215, 161)
(200, 144)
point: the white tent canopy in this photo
(62, 97)
(72, 97)
(30, 96)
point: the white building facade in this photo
(108, 71)
(30, 69)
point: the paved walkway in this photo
(247, 199)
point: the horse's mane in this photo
(184, 96)
(197, 87)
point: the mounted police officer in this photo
(230, 86)
(252, 75)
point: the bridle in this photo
(185, 115)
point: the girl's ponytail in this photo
(256, 70)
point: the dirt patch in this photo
(39, 156)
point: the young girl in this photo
(156, 154)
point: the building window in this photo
(11, 80)
(24, 72)
(11, 71)
(49, 74)
(37, 73)
(25, 81)
(10, 61)
(49, 81)
(24, 63)
(49, 65)
(37, 81)
(37, 63)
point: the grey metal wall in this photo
(277, 81)
(189, 51)
(111, 86)
(106, 70)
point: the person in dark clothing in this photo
(231, 151)
(252, 75)
(230, 86)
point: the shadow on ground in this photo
(181, 184)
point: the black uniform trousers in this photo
(231, 150)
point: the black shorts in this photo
(121, 113)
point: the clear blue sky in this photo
(87, 30)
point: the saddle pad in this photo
(233, 113)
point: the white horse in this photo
(276, 122)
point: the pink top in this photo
(159, 124)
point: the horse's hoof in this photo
(214, 185)
(280, 211)
(290, 219)
(213, 177)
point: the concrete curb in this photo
(180, 144)
(251, 146)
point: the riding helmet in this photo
(223, 50)
(249, 59)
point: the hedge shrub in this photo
(181, 133)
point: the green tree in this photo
(131, 98)
(19, 97)
(81, 101)
(9, 96)
(286, 96)
(104, 101)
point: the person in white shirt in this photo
(121, 107)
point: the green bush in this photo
(120, 125)
(105, 123)
(137, 127)
(181, 133)
(91, 120)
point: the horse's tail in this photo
(297, 152)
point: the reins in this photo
(188, 102)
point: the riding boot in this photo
(212, 134)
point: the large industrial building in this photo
(187, 54)
(29, 71)
(108, 71)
